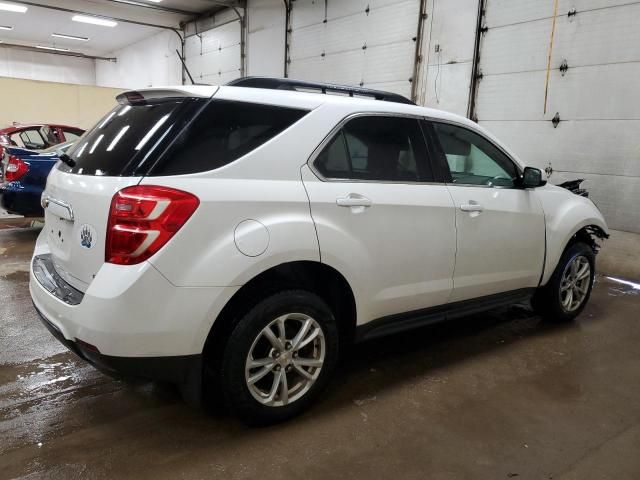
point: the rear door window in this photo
(377, 148)
(222, 133)
(32, 139)
(71, 136)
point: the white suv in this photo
(235, 239)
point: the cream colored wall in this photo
(30, 101)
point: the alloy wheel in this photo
(575, 282)
(285, 359)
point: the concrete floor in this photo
(493, 396)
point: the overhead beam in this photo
(89, 14)
(56, 52)
(155, 6)
(229, 3)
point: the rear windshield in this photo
(176, 136)
(128, 136)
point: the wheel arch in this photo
(316, 277)
(588, 233)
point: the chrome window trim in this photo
(318, 150)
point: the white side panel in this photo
(447, 54)
(46, 67)
(447, 87)
(359, 43)
(265, 38)
(149, 63)
(213, 56)
(540, 144)
(596, 99)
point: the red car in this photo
(37, 137)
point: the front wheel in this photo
(569, 288)
(279, 357)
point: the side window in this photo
(32, 139)
(334, 161)
(472, 159)
(50, 135)
(16, 141)
(224, 132)
(70, 136)
(379, 148)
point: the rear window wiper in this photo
(66, 159)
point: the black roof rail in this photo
(273, 83)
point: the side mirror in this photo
(532, 178)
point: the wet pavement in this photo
(500, 395)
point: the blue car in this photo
(23, 176)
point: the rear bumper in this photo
(130, 319)
(181, 369)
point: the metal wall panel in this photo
(597, 99)
(536, 145)
(214, 56)
(369, 43)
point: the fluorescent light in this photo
(12, 7)
(56, 49)
(103, 22)
(69, 37)
(5, 27)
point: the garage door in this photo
(370, 43)
(591, 88)
(213, 56)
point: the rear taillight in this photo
(15, 169)
(142, 219)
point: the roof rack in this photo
(273, 83)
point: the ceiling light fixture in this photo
(5, 27)
(70, 37)
(103, 22)
(12, 7)
(57, 49)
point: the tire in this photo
(551, 301)
(254, 401)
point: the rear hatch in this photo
(114, 154)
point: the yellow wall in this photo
(31, 101)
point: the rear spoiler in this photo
(140, 97)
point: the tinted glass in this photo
(377, 148)
(222, 133)
(472, 159)
(129, 137)
(333, 161)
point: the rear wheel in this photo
(279, 357)
(569, 288)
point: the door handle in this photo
(57, 207)
(471, 207)
(353, 200)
